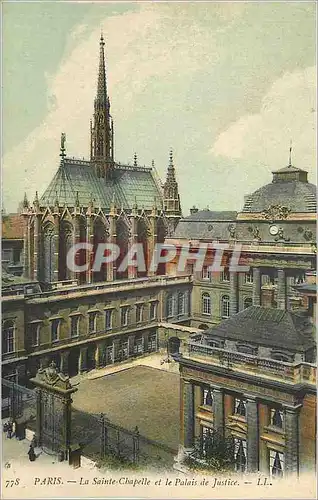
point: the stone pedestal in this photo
(291, 441)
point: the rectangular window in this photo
(276, 418)
(138, 347)
(181, 304)
(207, 441)
(108, 319)
(153, 310)
(152, 342)
(249, 277)
(35, 334)
(139, 310)
(239, 455)
(170, 303)
(276, 463)
(8, 337)
(74, 326)
(225, 275)
(124, 315)
(206, 304)
(240, 407)
(55, 329)
(92, 320)
(207, 397)
(205, 273)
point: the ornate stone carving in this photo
(276, 212)
(308, 234)
(50, 376)
(254, 230)
(281, 236)
(232, 230)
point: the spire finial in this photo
(62, 146)
(153, 163)
(171, 157)
(135, 160)
(25, 201)
(290, 153)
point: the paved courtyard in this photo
(141, 395)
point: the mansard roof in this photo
(265, 326)
(205, 224)
(77, 178)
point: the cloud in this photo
(288, 111)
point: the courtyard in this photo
(140, 396)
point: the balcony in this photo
(266, 368)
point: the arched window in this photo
(206, 303)
(225, 306)
(8, 336)
(170, 308)
(248, 302)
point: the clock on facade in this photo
(273, 230)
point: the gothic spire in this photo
(171, 191)
(290, 153)
(101, 83)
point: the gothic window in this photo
(225, 274)
(124, 315)
(55, 329)
(181, 304)
(75, 326)
(207, 397)
(207, 441)
(152, 342)
(170, 308)
(206, 303)
(248, 278)
(225, 306)
(276, 418)
(276, 463)
(240, 407)
(108, 319)
(248, 302)
(240, 455)
(34, 334)
(139, 310)
(153, 310)
(92, 319)
(8, 336)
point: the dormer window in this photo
(246, 349)
(282, 356)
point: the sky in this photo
(226, 85)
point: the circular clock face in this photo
(273, 230)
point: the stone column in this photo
(188, 414)
(38, 416)
(291, 441)
(281, 289)
(89, 253)
(218, 411)
(115, 349)
(252, 445)
(111, 266)
(82, 360)
(26, 263)
(132, 270)
(257, 286)
(100, 346)
(145, 342)
(64, 362)
(56, 238)
(233, 292)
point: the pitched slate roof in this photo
(205, 224)
(129, 184)
(274, 328)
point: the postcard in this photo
(158, 250)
